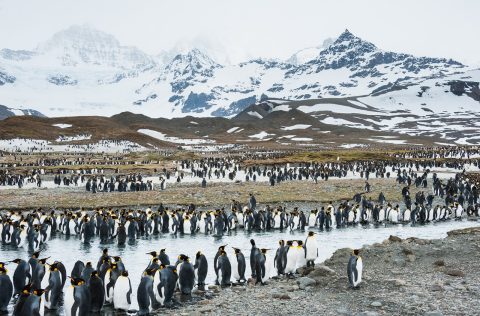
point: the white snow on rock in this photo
(262, 135)
(231, 130)
(172, 139)
(255, 114)
(62, 125)
(66, 139)
(296, 126)
(302, 139)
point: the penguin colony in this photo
(38, 284)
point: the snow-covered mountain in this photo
(83, 71)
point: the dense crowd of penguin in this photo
(38, 284)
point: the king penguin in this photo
(355, 269)
(201, 268)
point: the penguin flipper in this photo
(129, 293)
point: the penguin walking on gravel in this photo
(225, 269)
(215, 259)
(186, 275)
(254, 253)
(77, 298)
(145, 296)
(291, 255)
(311, 249)
(201, 269)
(238, 266)
(6, 289)
(355, 269)
(21, 276)
(122, 294)
(280, 259)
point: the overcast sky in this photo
(242, 29)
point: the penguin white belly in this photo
(241, 220)
(268, 268)
(277, 221)
(69, 300)
(351, 217)
(41, 310)
(406, 216)
(23, 239)
(46, 278)
(381, 215)
(72, 225)
(187, 226)
(122, 286)
(234, 264)
(156, 282)
(296, 219)
(291, 261)
(312, 249)
(108, 293)
(458, 212)
(359, 272)
(393, 216)
(48, 233)
(301, 260)
(201, 227)
(311, 220)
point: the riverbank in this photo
(401, 277)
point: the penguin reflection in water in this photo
(355, 269)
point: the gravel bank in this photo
(401, 277)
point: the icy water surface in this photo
(70, 249)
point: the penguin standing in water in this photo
(52, 283)
(34, 260)
(215, 259)
(280, 258)
(87, 272)
(39, 273)
(122, 295)
(238, 266)
(311, 249)
(164, 284)
(97, 292)
(111, 277)
(24, 294)
(291, 262)
(355, 269)
(186, 275)
(77, 298)
(34, 304)
(225, 269)
(102, 258)
(254, 252)
(145, 296)
(77, 269)
(21, 276)
(163, 257)
(6, 289)
(201, 268)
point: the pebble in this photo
(455, 272)
(303, 282)
(376, 304)
(434, 313)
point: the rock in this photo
(455, 273)
(434, 313)
(321, 271)
(367, 313)
(397, 282)
(281, 296)
(407, 251)
(342, 311)
(394, 238)
(411, 258)
(213, 287)
(303, 282)
(205, 309)
(439, 263)
(293, 288)
(304, 270)
(376, 304)
(437, 288)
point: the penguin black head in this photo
(281, 242)
(198, 255)
(236, 250)
(54, 266)
(89, 264)
(264, 250)
(27, 288)
(125, 273)
(38, 292)
(152, 253)
(311, 234)
(94, 274)
(105, 251)
(183, 257)
(162, 250)
(221, 248)
(252, 242)
(43, 261)
(117, 258)
(162, 266)
(36, 254)
(356, 252)
(289, 243)
(299, 242)
(77, 281)
(150, 272)
(17, 261)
